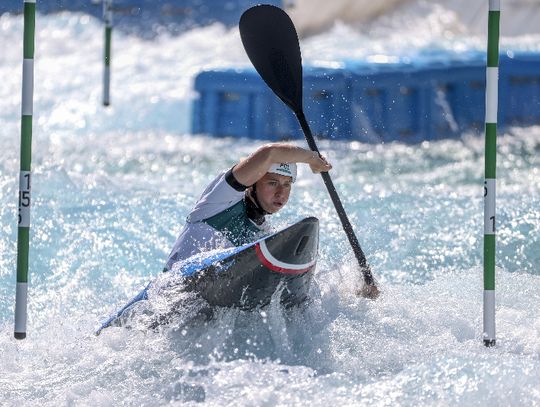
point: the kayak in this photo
(248, 276)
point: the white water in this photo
(111, 188)
(518, 17)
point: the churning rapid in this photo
(112, 187)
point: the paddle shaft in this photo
(347, 227)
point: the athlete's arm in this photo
(249, 170)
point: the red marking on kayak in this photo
(278, 269)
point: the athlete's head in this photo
(272, 191)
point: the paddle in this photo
(271, 43)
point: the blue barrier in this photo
(372, 102)
(412, 104)
(326, 102)
(519, 90)
(239, 104)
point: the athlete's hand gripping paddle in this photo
(271, 43)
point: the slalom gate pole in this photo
(492, 83)
(23, 235)
(107, 17)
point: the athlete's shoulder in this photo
(218, 196)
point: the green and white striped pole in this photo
(492, 83)
(23, 237)
(107, 17)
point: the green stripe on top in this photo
(493, 39)
(491, 150)
(489, 262)
(29, 28)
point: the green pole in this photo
(107, 17)
(23, 236)
(492, 82)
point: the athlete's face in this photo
(273, 191)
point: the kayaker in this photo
(232, 209)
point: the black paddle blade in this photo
(271, 43)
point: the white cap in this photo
(287, 169)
